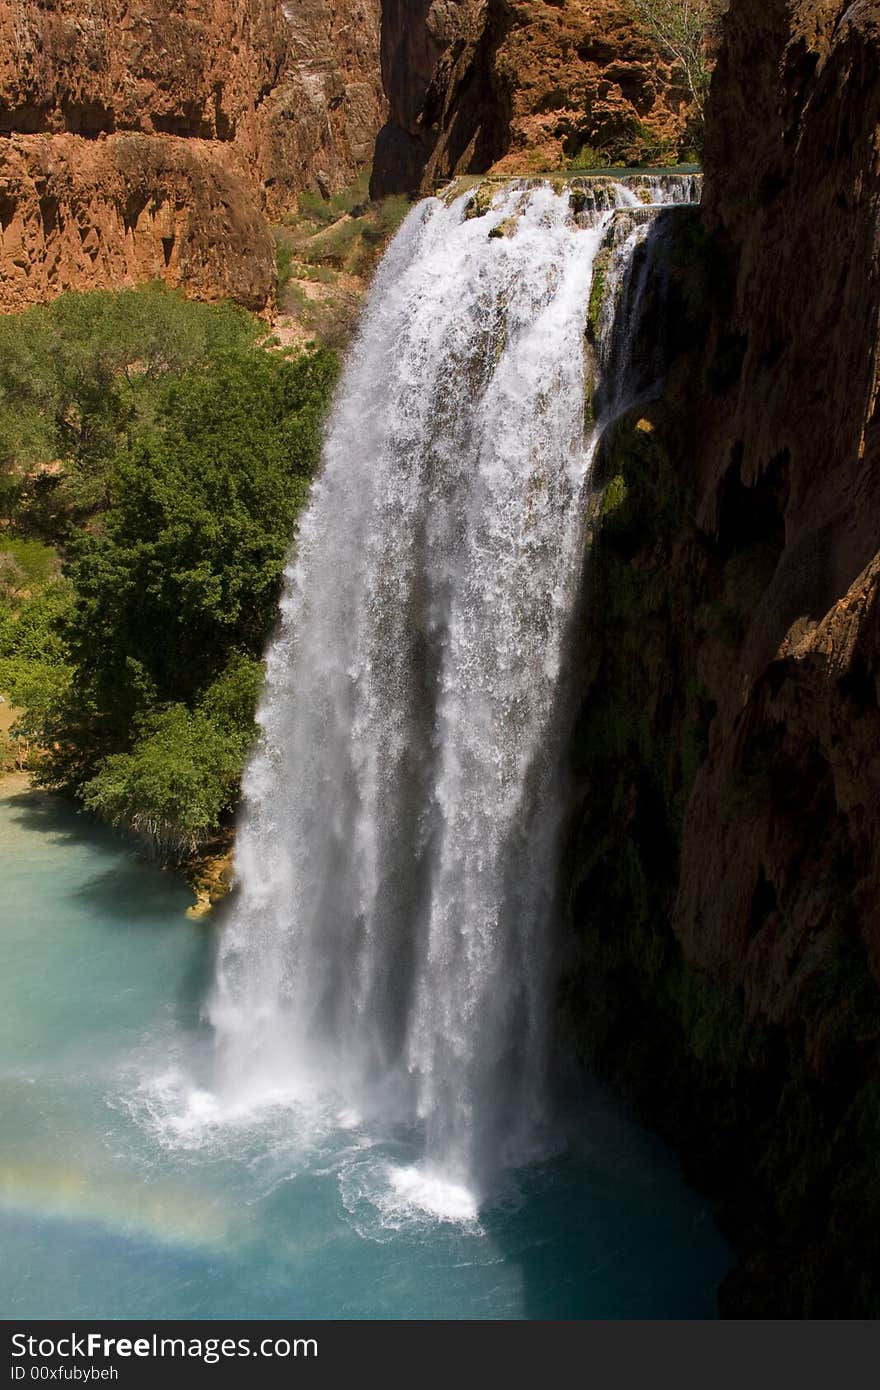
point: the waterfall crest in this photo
(392, 937)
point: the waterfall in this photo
(392, 939)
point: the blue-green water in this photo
(118, 1200)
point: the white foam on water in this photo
(433, 1193)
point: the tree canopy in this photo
(79, 377)
(185, 452)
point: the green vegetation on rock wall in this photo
(326, 252)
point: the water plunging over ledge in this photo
(393, 938)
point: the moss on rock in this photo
(480, 202)
(598, 290)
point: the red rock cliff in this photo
(519, 84)
(145, 138)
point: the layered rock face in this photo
(78, 214)
(519, 85)
(124, 128)
(726, 885)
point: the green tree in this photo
(184, 450)
(80, 376)
(174, 597)
(683, 31)
(188, 565)
(175, 784)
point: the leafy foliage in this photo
(188, 453)
(182, 774)
(589, 156)
(34, 673)
(25, 565)
(79, 378)
(682, 31)
(283, 264)
(187, 566)
(174, 785)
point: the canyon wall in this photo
(518, 85)
(726, 854)
(144, 139)
(789, 457)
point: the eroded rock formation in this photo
(78, 214)
(518, 85)
(126, 127)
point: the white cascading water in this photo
(392, 938)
